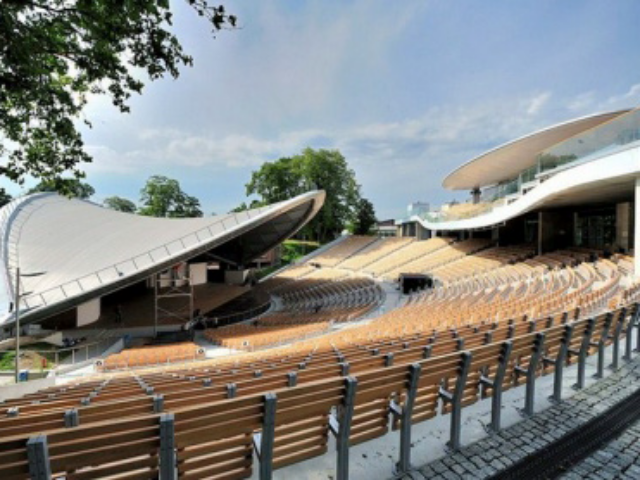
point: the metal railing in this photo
(612, 137)
(212, 322)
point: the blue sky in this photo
(407, 91)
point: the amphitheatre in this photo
(336, 366)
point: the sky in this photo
(407, 91)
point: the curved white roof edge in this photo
(85, 250)
(453, 182)
(610, 171)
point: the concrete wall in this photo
(236, 277)
(24, 388)
(89, 312)
(623, 225)
(198, 273)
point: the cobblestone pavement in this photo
(619, 459)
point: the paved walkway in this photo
(619, 459)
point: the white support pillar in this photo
(623, 211)
(636, 229)
(540, 232)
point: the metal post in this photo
(267, 436)
(603, 338)
(629, 340)
(155, 305)
(582, 355)
(71, 418)
(343, 429)
(616, 339)
(404, 463)
(388, 359)
(231, 390)
(292, 379)
(16, 305)
(38, 455)
(456, 401)
(529, 398)
(637, 331)
(559, 364)
(158, 403)
(167, 447)
(496, 399)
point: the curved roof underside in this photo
(86, 251)
(507, 161)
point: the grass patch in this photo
(7, 360)
(292, 250)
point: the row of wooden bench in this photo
(288, 424)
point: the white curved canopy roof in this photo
(507, 161)
(85, 250)
(608, 179)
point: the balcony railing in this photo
(615, 136)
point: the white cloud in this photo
(538, 102)
(629, 99)
(394, 161)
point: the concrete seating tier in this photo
(519, 321)
(258, 335)
(342, 250)
(480, 262)
(438, 258)
(207, 421)
(405, 255)
(313, 303)
(153, 355)
(375, 252)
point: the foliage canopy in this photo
(365, 217)
(163, 197)
(68, 186)
(55, 53)
(311, 170)
(120, 204)
(4, 197)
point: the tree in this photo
(279, 180)
(243, 206)
(4, 197)
(365, 217)
(71, 187)
(54, 53)
(313, 169)
(163, 197)
(120, 204)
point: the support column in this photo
(167, 447)
(539, 233)
(636, 228)
(475, 195)
(623, 215)
(38, 456)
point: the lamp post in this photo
(17, 307)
